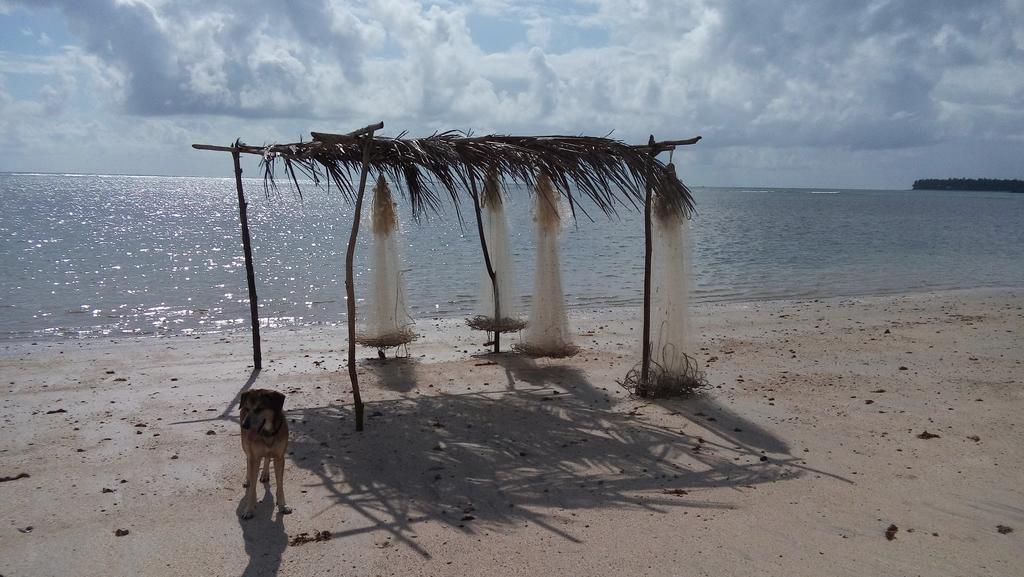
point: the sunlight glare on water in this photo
(117, 255)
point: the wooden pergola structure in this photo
(608, 172)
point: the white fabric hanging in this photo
(386, 313)
(670, 336)
(548, 330)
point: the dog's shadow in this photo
(264, 536)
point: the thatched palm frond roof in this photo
(609, 172)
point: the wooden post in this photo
(254, 313)
(350, 291)
(645, 360)
(487, 259)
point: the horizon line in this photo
(114, 174)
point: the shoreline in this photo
(795, 462)
(573, 310)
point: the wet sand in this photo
(806, 448)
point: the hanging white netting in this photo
(388, 323)
(670, 291)
(548, 330)
(504, 317)
(672, 372)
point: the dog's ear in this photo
(243, 399)
(276, 400)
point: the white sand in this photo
(499, 465)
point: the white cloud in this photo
(768, 82)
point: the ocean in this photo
(105, 255)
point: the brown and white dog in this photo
(264, 437)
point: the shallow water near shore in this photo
(93, 255)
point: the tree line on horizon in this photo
(987, 184)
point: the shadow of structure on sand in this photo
(395, 374)
(264, 536)
(481, 460)
(235, 403)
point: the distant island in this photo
(991, 184)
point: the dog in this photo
(264, 438)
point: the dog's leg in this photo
(248, 471)
(245, 481)
(265, 477)
(279, 481)
(252, 469)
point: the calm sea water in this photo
(121, 255)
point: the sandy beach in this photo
(806, 448)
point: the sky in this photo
(798, 93)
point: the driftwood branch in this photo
(666, 145)
(216, 148)
(350, 291)
(250, 275)
(351, 137)
(245, 148)
(683, 142)
(487, 259)
(645, 362)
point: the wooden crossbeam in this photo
(666, 145)
(241, 149)
(215, 148)
(353, 136)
